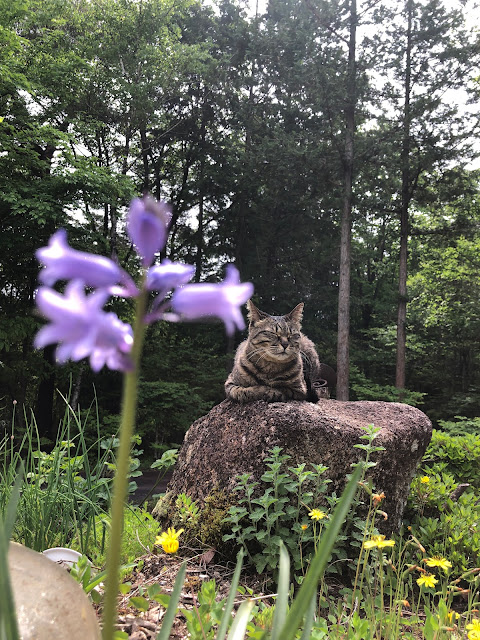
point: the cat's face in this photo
(275, 338)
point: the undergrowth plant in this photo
(458, 455)
(446, 522)
(63, 491)
(290, 504)
(280, 513)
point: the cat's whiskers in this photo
(306, 357)
(252, 354)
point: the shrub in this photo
(445, 524)
(460, 426)
(291, 506)
(457, 455)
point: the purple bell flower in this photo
(163, 278)
(223, 300)
(83, 329)
(147, 226)
(64, 263)
(168, 275)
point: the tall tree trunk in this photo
(404, 222)
(77, 386)
(343, 339)
(46, 389)
(201, 202)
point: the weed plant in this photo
(65, 492)
(458, 455)
(291, 505)
(400, 589)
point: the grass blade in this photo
(222, 629)
(168, 618)
(319, 562)
(239, 626)
(308, 623)
(11, 510)
(281, 605)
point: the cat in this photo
(277, 363)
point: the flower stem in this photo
(129, 407)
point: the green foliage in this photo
(286, 622)
(365, 389)
(206, 615)
(83, 572)
(188, 510)
(453, 532)
(260, 523)
(460, 426)
(443, 519)
(64, 491)
(445, 523)
(457, 455)
(61, 493)
(293, 510)
(139, 533)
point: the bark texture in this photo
(234, 439)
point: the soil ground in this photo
(162, 569)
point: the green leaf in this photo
(226, 616)
(319, 561)
(239, 626)
(169, 616)
(163, 599)
(281, 604)
(140, 603)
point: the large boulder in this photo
(234, 439)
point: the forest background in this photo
(310, 137)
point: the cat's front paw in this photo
(275, 395)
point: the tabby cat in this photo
(277, 362)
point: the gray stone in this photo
(50, 604)
(234, 439)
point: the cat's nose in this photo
(284, 343)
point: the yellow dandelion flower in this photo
(425, 479)
(169, 540)
(378, 542)
(473, 629)
(438, 561)
(427, 580)
(304, 527)
(452, 616)
(317, 514)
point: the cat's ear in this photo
(254, 314)
(296, 314)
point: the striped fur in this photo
(276, 362)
